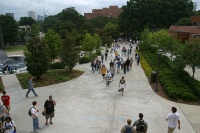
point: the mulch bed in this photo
(162, 93)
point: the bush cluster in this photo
(57, 65)
(177, 83)
(87, 58)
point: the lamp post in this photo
(157, 77)
(1, 38)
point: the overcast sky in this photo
(20, 8)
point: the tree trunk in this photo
(193, 71)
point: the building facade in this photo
(32, 14)
(112, 11)
(39, 17)
(10, 14)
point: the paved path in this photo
(85, 105)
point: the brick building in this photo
(112, 11)
(187, 32)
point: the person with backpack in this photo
(33, 112)
(128, 128)
(2, 115)
(49, 109)
(9, 126)
(141, 125)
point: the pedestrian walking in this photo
(173, 119)
(30, 87)
(108, 78)
(106, 55)
(128, 64)
(122, 85)
(102, 57)
(125, 67)
(131, 63)
(103, 71)
(34, 114)
(128, 128)
(9, 126)
(111, 63)
(49, 109)
(138, 59)
(2, 115)
(118, 66)
(141, 125)
(6, 102)
(112, 71)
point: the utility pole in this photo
(1, 38)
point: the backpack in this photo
(29, 111)
(128, 129)
(140, 127)
(5, 123)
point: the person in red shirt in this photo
(6, 102)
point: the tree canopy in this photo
(9, 28)
(27, 21)
(154, 14)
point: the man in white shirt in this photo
(173, 119)
(34, 115)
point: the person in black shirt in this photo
(49, 109)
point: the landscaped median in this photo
(177, 83)
(51, 77)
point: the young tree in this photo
(89, 43)
(54, 43)
(36, 57)
(69, 54)
(191, 54)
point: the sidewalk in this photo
(85, 105)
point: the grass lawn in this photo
(51, 77)
(1, 84)
(15, 48)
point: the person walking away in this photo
(116, 55)
(138, 59)
(34, 115)
(2, 115)
(122, 63)
(49, 109)
(122, 85)
(128, 128)
(106, 55)
(108, 79)
(118, 66)
(102, 57)
(141, 125)
(9, 126)
(112, 71)
(92, 65)
(111, 51)
(6, 102)
(173, 119)
(97, 64)
(111, 63)
(128, 64)
(30, 87)
(136, 55)
(103, 71)
(125, 67)
(131, 63)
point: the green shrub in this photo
(177, 83)
(87, 58)
(57, 65)
(147, 68)
(98, 52)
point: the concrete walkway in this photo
(85, 105)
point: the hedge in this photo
(177, 83)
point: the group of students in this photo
(6, 123)
(141, 125)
